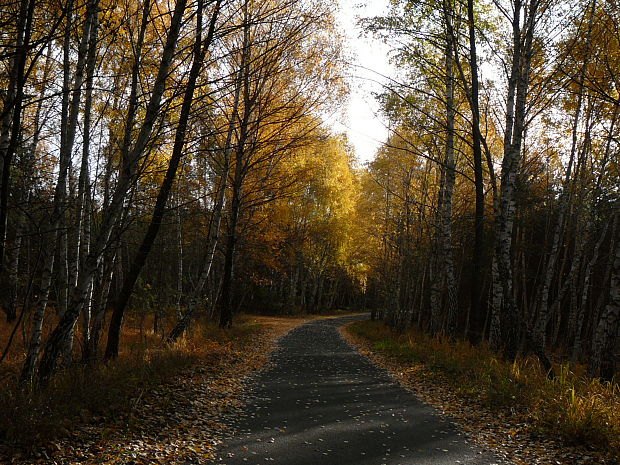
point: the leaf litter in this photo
(180, 421)
(505, 432)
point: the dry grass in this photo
(106, 392)
(82, 393)
(573, 407)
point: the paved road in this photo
(322, 403)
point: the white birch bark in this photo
(450, 177)
(179, 240)
(540, 326)
(496, 300)
(132, 155)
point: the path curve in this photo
(322, 403)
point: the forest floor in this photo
(178, 418)
(508, 431)
(203, 393)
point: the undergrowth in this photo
(578, 409)
(108, 391)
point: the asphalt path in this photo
(322, 403)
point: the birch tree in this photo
(132, 154)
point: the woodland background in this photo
(169, 160)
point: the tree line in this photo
(165, 158)
(170, 160)
(497, 193)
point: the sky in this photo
(361, 120)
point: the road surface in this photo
(322, 403)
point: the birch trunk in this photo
(12, 267)
(450, 177)
(602, 361)
(11, 116)
(513, 139)
(540, 326)
(235, 206)
(131, 157)
(82, 224)
(585, 293)
(199, 51)
(179, 240)
(497, 298)
(99, 306)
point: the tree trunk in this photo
(99, 307)
(513, 139)
(438, 261)
(129, 282)
(131, 158)
(497, 298)
(602, 362)
(179, 241)
(478, 249)
(235, 207)
(11, 116)
(231, 242)
(450, 177)
(585, 293)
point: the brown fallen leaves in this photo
(505, 432)
(178, 421)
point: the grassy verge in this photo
(108, 392)
(575, 408)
